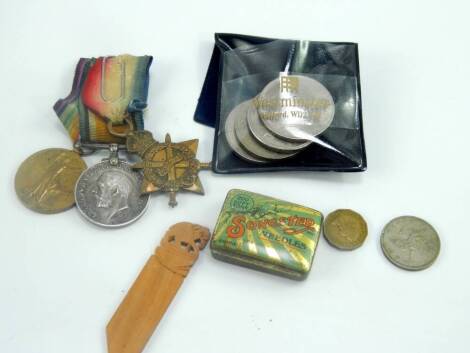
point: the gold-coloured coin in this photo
(345, 229)
(45, 181)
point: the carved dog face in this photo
(186, 237)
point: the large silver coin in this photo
(109, 195)
(295, 107)
(267, 138)
(246, 139)
(236, 113)
(410, 243)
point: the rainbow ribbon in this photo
(105, 90)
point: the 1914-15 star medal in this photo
(167, 167)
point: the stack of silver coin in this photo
(280, 121)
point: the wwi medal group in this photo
(104, 111)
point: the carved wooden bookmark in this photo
(146, 302)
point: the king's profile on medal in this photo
(113, 190)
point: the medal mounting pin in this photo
(113, 154)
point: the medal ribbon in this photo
(107, 91)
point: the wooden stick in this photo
(149, 297)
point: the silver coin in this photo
(246, 139)
(295, 107)
(410, 243)
(109, 195)
(267, 138)
(232, 139)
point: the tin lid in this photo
(267, 230)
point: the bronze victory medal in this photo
(345, 229)
(45, 181)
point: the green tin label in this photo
(276, 232)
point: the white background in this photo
(62, 278)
